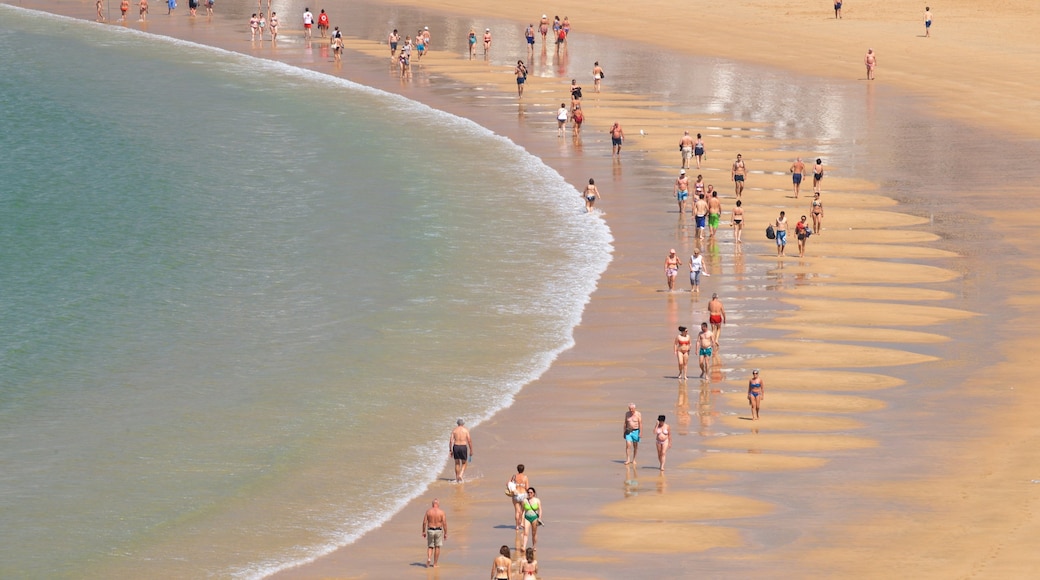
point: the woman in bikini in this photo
(817, 175)
(664, 439)
(816, 209)
(521, 482)
(698, 150)
(671, 268)
(500, 567)
(681, 346)
(530, 567)
(738, 220)
(756, 391)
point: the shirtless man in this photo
(705, 342)
(780, 226)
(714, 213)
(460, 448)
(435, 530)
(716, 316)
(671, 268)
(391, 40)
(927, 22)
(738, 174)
(529, 36)
(797, 172)
(686, 147)
(871, 61)
(100, 4)
(700, 212)
(521, 77)
(633, 424)
(681, 348)
(617, 137)
(681, 191)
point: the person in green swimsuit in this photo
(532, 517)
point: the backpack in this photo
(770, 233)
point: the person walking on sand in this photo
(871, 61)
(543, 27)
(698, 150)
(487, 41)
(801, 231)
(100, 5)
(816, 210)
(521, 77)
(143, 14)
(578, 117)
(756, 392)
(681, 348)
(591, 194)
(503, 562)
(308, 22)
(520, 485)
(705, 345)
(738, 173)
(460, 448)
(714, 213)
(124, 6)
(435, 530)
(927, 22)
(696, 269)
(663, 434)
(391, 40)
(671, 268)
(797, 172)
(817, 175)
(323, 23)
(633, 424)
(274, 26)
(472, 43)
(700, 213)
(780, 227)
(261, 23)
(837, 9)
(193, 7)
(209, 8)
(529, 566)
(529, 36)
(686, 149)
(561, 119)
(617, 137)
(575, 92)
(681, 191)
(254, 26)
(532, 518)
(170, 5)
(597, 75)
(738, 221)
(716, 316)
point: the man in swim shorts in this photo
(308, 21)
(681, 191)
(738, 173)
(714, 213)
(617, 137)
(435, 530)
(927, 22)
(700, 211)
(633, 423)
(797, 171)
(705, 341)
(717, 317)
(460, 448)
(686, 147)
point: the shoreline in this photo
(591, 383)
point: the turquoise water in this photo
(241, 304)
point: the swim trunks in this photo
(927, 23)
(615, 141)
(796, 178)
(520, 79)
(713, 220)
(781, 238)
(530, 40)
(698, 150)
(715, 319)
(738, 178)
(701, 221)
(682, 195)
(632, 436)
(705, 351)
(687, 152)
(434, 538)
(671, 272)
(460, 452)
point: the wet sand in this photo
(892, 434)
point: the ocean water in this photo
(241, 304)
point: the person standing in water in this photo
(663, 434)
(797, 172)
(738, 173)
(460, 448)
(633, 424)
(816, 210)
(671, 268)
(591, 194)
(681, 347)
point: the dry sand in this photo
(969, 514)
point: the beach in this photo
(896, 430)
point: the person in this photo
(254, 26)
(561, 119)
(193, 7)
(617, 137)
(871, 61)
(575, 92)
(435, 530)
(696, 269)
(738, 220)
(170, 5)
(686, 148)
(532, 518)
(460, 448)
(578, 117)
(738, 173)
(597, 75)
(801, 231)
(780, 226)
(308, 21)
(716, 316)
(543, 27)
(323, 23)
(705, 343)
(561, 38)
(425, 33)
(529, 35)
(503, 562)
(391, 40)
(124, 6)
(261, 23)
(633, 423)
(100, 5)
(671, 268)
(927, 22)
(566, 26)
(698, 186)
(472, 43)
(487, 41)
(797, 171)
(143, 7)
(520, 483)
(816, 210)
(700, 212)
(698, 150)
(756, 392)
(591, 194)
(837, 9)
(209, 8)
(664, 439)
(714, 213)
(681, 191)
(274, 26)
(817, 175)
(681, 348)
(530, 566)
(521, 77)
(420, 44)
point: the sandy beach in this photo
(897, 430)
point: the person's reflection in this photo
(617, 168)
(705, 411)
(682, 409)
(673, 311)
(521, 112)
(631, 486)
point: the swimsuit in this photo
(615, 141)
(781, 237)
(715, 319)
(713, 220)
(700, 221)
(660, 431)
(460, 452)
(756, 389)
(796, 178)
(632, 436)
(817, 176)
(682, 194)
(698, 149)
(705, 351)
(670, 272)
(737, 221)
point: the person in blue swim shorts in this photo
(633, 423)
(682, 190)
(705, 343)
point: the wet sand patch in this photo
(810, 379)
(858, 334)
(799, 354)
(849, 235)
(806, 403)
(823, 248)
(790, 442)
(855, 270)
(754, 462)
(850, 313)
(686, 506)
(786, 422)
(863, 292)
(660, 538)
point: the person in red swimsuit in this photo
(716, 316)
